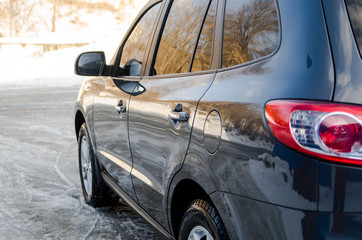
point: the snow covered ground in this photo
(40, 191)
(31, 66)
(34, 66)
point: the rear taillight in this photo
(327, 131)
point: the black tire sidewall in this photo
(197, 216)
(84, 133)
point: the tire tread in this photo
(102, 195)
(201, 206)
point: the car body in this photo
(205, 101)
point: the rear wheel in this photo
(96, 193)
(202, 222)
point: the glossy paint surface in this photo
(84, 104)
(111, 130)
(248, 162)
(212, 132)
(249, 219)
(158, 143)
(340, 188)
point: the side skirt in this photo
(135, 206)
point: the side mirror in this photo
(90, 64)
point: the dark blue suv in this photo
(229, 119)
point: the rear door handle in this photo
(179, 116)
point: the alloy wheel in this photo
(87, 175)
(199, 233)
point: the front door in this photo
(112, 100)
(110, 125)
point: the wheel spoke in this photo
(200, 233)
(89, 181)
(86, 166)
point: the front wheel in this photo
(96, 193)
(202, 222)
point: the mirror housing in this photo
(90, 64)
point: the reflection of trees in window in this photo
(179, 36)
(135, 46)
(203, 53)
(251, 30)
(355, 15)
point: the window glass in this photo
(135, 46)
(202, 59)
(179, 36)
(251, 30)
(355, 14)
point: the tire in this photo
(202, 222)
(96, 193)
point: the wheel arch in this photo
(193, 181)
(79, 120)
(181, 201)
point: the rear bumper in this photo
(249, 219)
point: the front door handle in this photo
(121, 109)
(179, 116)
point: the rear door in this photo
(161, 118)
(112, 101)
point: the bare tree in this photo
(15, 14)
(54, 17)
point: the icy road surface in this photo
(40, 192)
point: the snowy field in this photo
(28, 65)
(40, 191)
(31, 66)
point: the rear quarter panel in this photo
(249, 162)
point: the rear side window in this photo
(179, 36)
(354, 8)
(251, 30)
(203, 55)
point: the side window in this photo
(354, 10)
(179, 36)
(251, 30)
(135, 47)
(202, 59)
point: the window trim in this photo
(157, 39)
(133, 25)
(178, 75)
(221, 69)
(199, 35)
(359, 48)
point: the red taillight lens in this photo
(327, 131)
(340, 133)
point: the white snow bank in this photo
(31, 66)
(27, 62)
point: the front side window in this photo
(251, 30)
(179, 36)
(135, 47)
